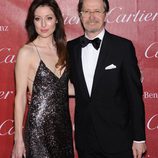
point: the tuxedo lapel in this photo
(81, 78)
(102, 59)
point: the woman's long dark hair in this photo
(59, 33)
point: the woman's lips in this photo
(44, 30)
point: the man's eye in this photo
(97, 11)
(86, 11)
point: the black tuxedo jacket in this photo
(115, 108)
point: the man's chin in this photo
(93, 30)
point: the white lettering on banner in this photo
(71, 20)
(150, 95)
(6, 128)
(4, 28)
(149, 53)
(5, 57)
(4, 95)
(116, 15)
(153, 118)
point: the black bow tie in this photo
(95, 42)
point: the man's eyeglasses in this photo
(87, 13)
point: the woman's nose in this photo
(43, 23)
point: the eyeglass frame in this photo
(88, 12)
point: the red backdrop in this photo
(133, 19)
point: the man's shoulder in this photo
(117, 38)
(74, 41)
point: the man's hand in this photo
(138, 149)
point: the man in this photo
(109, 113)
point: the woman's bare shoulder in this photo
(26, 51)
(27, 48)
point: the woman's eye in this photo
(49, 18)
(37, 19)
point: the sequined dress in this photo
(48, 132)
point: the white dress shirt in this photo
(89, 61)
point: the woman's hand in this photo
(19, 150)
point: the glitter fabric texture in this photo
(48, 131)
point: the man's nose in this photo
(91, 15)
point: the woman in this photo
(42, 69)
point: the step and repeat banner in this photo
(136, 20)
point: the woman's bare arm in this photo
(21, 77)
